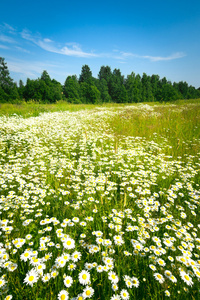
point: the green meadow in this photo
(100, 201)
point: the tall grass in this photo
(177, 125)
(100, 202)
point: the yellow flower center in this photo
(187, 277)
(31, 278)
(88, 293)
(63, 297)
(84, 276)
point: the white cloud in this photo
(155, 58)
(7, 39)
(34, 69)
(22, 49)
(72, 49)
(10, 28)
(47, 40)
(4, 47)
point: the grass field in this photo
(100, 202)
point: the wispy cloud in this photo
(154, 58)
(22, 49)
(69, 49)
(9, 28)
(34, 69)
(3, 47)
(7, 39)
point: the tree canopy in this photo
(110, 86)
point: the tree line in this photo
(110, 86)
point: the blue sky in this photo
(155, 37)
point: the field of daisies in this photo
(90, 210)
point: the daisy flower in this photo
(54, 274)
(71, 267)
(129, 283)
(99, 268)
(9, 297)
(173, 278)
(66, 256)
(76, 256)
(167, 293)
(31, 277)
(124, 294)
(115, 297)
(135, 282)
(88, 292)
(63, 295)
(159, 277)
(68, 281)
(46, 277)
(113, 277)
(152, 267)
(114, 287)
(79, 297)
(168, 273)
(2, 282)
(161, 262)
(186, 278)
(84, 277)
(26, 255)
(69, 243)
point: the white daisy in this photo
(124, 294)
(135, 282)
(186, 278)
(68, 281)
(113, 277)
(159, 277)
(88, 292)
(31, 277)
(84, 277)
(115, 297)
(69, 243)
(63, 295)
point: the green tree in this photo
(89, 93)
(116, 87)
(8, 89)
(71, 89)
(86, 74)
(45, 77)
(156, 87)
(147, 94)
(21, 89)
(169, 93)
(105, 73)
(103, 88)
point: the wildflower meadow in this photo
(101, 203)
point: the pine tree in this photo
(8, 89)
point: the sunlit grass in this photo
(100, 202)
